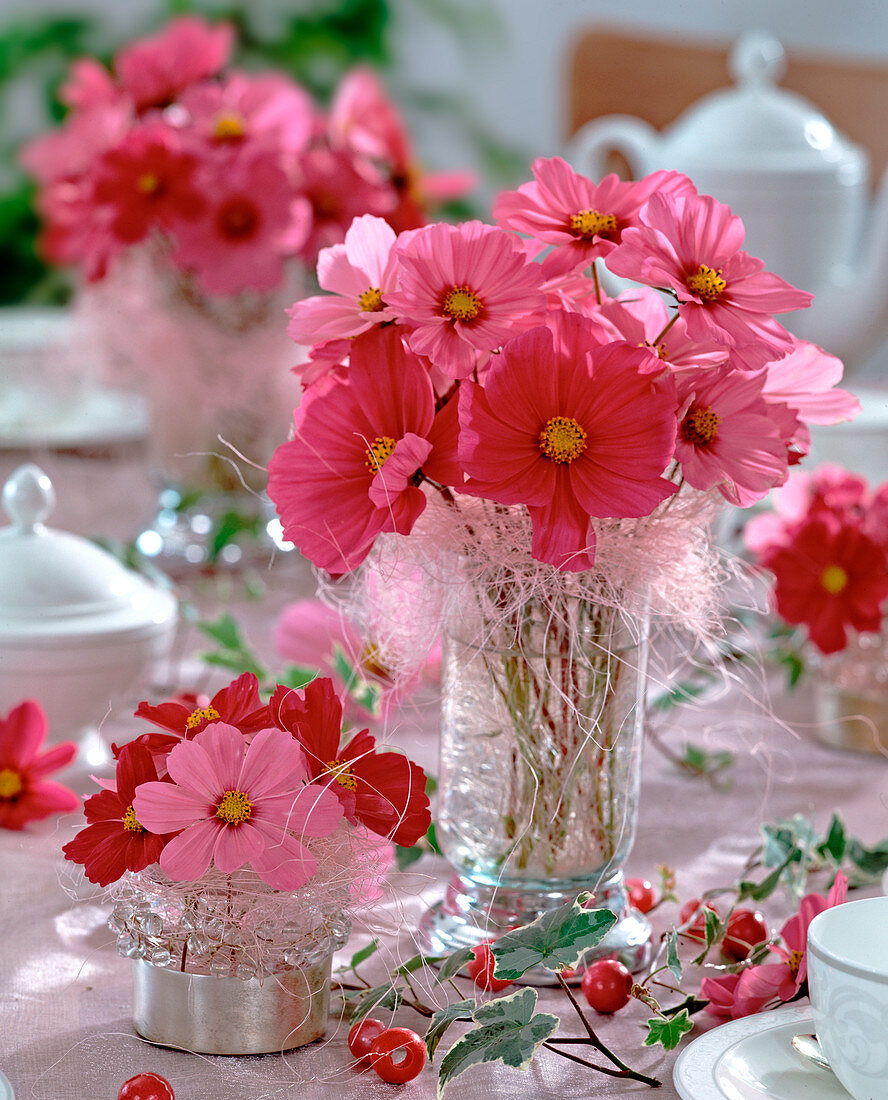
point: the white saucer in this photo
(752, 1058)
(99, 416)
(6, 1092)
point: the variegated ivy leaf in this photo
(508, 1032)
(554, 940)
(673, 962)
(454, 963)
(668, 1031)
(442, 1020)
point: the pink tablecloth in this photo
(65, 1026)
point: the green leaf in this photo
(365, 953)
(296, 677)
(381, 996)
(554, 940)
(668, 1032)
(454, 963)
(508, 1032)
(673, 962)
(704, 762)
(442, 1020)
(872, 861)
(416, 962)
(835, 841)
(406, 857)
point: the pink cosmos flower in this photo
(153, 71)
(238, 805)
(88, 85)
(692, 245)
(805, 379)
(583, 220)
(72, 151)
(464, 289)
(640, 316)
(734, 995)
(251, 223)
(25, 793)
(726, 436)
(361, 446)
(147, 181)
(830, 576)
(269, 112)
(360, 274)
(338, 193)
(77, 230)
(572, 430)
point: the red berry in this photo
(361, 1037)
(606, 985)
(410, 1051)
(641, 894)
(480, 969)
(697, 930)
(746, 928)
(146, 1086)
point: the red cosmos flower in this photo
(571, 429)
(154, 70)
(384, 790)
(251, 221)
(147, 182)
(362, 444)
(24, 793)
(830, 576)
(238, 704)
(113, 840)
(692, 244)
(583, 220)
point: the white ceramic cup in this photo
(848, 982)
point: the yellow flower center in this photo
(371, 300)
(706, 283)
(370, 662)
(235, 808)
(562, 439)
(658, 349)
(588, 223)
(130, 823)
(229, 126)
(342, 773)
(10, 783)
(202, 714)
(379, 450)
(148, 184)
(834, 579)
(462, 304)
(795, 961)
(700, 426)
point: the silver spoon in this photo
(809, 1047)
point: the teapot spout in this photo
(850, 317)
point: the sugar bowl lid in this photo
(58, 586)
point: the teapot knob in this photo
(757, 60)
(28, 497)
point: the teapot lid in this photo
(756, 126)
(57, 585)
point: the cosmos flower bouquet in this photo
(190, 196)
(555, 455)
(238, 836)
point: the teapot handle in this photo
(630, 137)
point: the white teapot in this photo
(801, 189)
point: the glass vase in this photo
(216, 374)
(852, 695)
(541, 734)
(226, 965)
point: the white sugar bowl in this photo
(77, 628)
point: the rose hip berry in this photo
(697, 930)
(480, 969)
(146, 1086)
(361, 1037)
(641, 894)
(746, 929)
(402, 1044)
(606, 986)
